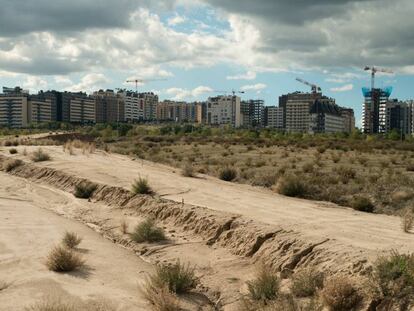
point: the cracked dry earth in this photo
(222, 228)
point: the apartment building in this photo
(326, 117)
(224, 110)
(134, 106)
(109, 107)
(398, 116)
(82, 109)
(252, 113)
(150, 102)
(374, 109)
(14, 108)
(273, 117)
(296, 107)
(177, 111)
(348, 116)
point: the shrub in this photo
(160, 297)
(266, 285)
(292, 186)
(62, 259)
(71, 239)
(228, 174)
(407, 222)
(178, 278)
(84, 190)
(340, 294)
(147, 231)
(141, 186)
(346, 173)
(13, 151)
(11, 164)
(39, 156)
(52, 304)
(362, 204)
(188, 170)
(307, 168)
(306, 283)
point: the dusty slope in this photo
(350, 229)
(28, 231)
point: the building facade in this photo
(224, 110)
(82, 109)
(149, 102)
(109, 107)
(398, 116)
(374, 110)
(273, 117)
(252, 113)
(14, 108)
(134, 106)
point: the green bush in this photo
(84, 190)
(362, 204)
(228, 174)
(141, 186)
(178, 277)
(39, 156)
(306, 283)
(292, 186)
(266, 285)
(147, 231)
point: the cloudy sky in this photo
(203, 47)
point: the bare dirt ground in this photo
(27, 233)
(350, 229)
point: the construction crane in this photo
(234, 92)
(374, 70)
(315, 89)
(136, 81)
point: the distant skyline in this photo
(204, 46)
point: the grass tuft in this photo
(292, 186)
(84, 190)
(306, 283)
(407, 221)
(11, 164)
(188, 170)
(39, 156)
(362, 204)
(160, 297)
(265, 286)
(13, 151)
(141, 186)
(228, 174)
(62, 259)
(147, 231)
(71, 239)
(340, 294)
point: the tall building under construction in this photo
(374, 110)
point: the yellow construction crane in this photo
(374, 70)
(136, 81)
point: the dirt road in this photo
(353, 230)
(28, 231)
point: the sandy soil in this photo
(28, 231)
(357, 231)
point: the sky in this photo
(192, 49)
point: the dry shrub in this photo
(13, 151)
(340, 294)
(84, 190)
(362, 204)
(39, 156)
(160, 297)
(177, 277)
(52, 304)
(188, 170)
(71, 239)
(141, 186)
(124, 226)
(147, 231)
(11, 164)
(306, 283)
(292, 186)
(265, 286)
(407, 221)
(62, 259)
(393, 281)
(228, 174)
(283, 303)
(307, 168)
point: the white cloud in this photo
(176, 20)
(34, 84)
(185, 94)
(90, 83)
(254, 87)
(250, 75)
(344, 88)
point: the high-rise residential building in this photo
(224, 110)
(374, 110)
(201, 112)
(252, 113)
(177, 111)
(398, 116)
(14, 108)
(326, 117)
(109, 107)
(150, 102)
(348, 116)
(273, 117)
(134, 106)
(297, 108)
(82, 109)
(42, 107)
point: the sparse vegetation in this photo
(11, 164)
(160, 297)
(362, 204)
(62, 259)
(265, 286)
(408, 221)
(147, 231)
(188, 170)
(52, 304)
(141, 186)
(84, 190)
(39, 156)
(307, 282)
(228, 174)
(340, 294)
(179, 278)
(292, 186)
(71, 239)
